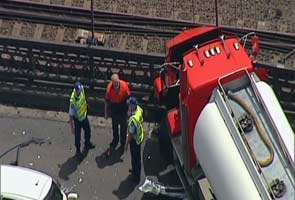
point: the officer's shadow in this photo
(102, 160)
(71, 165)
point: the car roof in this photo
(24, 182)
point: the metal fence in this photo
(27, 66)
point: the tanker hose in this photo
(260, 128)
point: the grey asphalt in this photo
(95, 177)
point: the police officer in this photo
(135, 137)
(78, 118)
(116, 95)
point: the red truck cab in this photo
(197, 60)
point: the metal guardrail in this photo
(52, 68)
(38, 60)
(283, 83)
(44, 72)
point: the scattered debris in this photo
(80, 180)
(156, 188)
(82, 172)
(49, 140)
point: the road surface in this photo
(95, 177)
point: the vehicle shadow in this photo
(151, 158)
(71, 165)
(102, 160)
(125, 188)
(158, 168)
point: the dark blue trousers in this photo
(119, 119)
(86, 127)
(135, 158)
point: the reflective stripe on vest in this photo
(137, 120)
(79, 104)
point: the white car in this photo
(18, 183)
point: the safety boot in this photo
(89, 146)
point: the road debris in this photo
(157, 188)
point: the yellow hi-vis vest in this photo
(137, 120)
(79, 104)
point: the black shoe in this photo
(89, 146)
(121, 149)
(78, 155)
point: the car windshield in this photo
(54, 193)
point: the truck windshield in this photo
(54, 193)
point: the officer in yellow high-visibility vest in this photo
(78, 118)
(135, 137)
